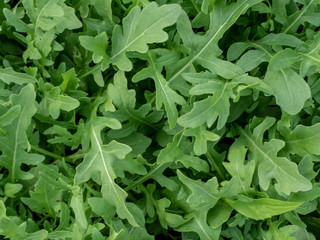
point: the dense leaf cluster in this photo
(166, 119)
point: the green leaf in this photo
(139, 29)
(15, 21)
(281, 39)
(15, 141)
(98, 45)
(164, 94)
(14, 231)
(8, 75)
(304, 140)
(125, 100)
(99, 161)
(310, 55)
(222, 18)
(10, 115)
(215, 106)
(44, 199)
(262, 208)
(237, 167)
(251, 60)
(222, 68)
(46, 15)
(203, 195)
(78, 208)
(11, 189)
(305, 14)
(101, 207)
(283, 59)
(198, 224)
(269, 164)
(201, 137)
(53, 101)
(289, 89)
(219, 214)
(193, 162)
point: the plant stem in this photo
(75, 156)
(71, 158)
(45, 152)
(195, 6)
(91, 70)
(215, 165)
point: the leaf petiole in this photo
(45, 152)
(215, 165)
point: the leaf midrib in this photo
(202, 229)
(214, 102)
(157, 78)
(14, 159)
(107, 171)
(297, 19)
(206, 45)
(139, 36)
(263, 153)
(103, 161)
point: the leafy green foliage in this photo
(141, 120)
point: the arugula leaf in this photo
(209, 109)
(8, 76)
(125, 100)
(44, 199)
(15, 141)
(303, 140)
(182, 120)
(290, 88)
(99, 160)
(261, 208)
(164, 94)
(199, 225)
(139, 29)
(53, 101)
(238, 169)
(269, 165)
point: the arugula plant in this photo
(166, 119)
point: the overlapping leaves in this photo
(159, 120)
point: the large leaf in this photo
(99, 161)
(289, 88)
(269, 164)
(125, 100)
(53, 101)
(8, 76)
(262, 208)
(222, 17)
(237, 167)
(141, 28)
(164, 94)
(214, 107)
(203, 195)
(15, 141)
(304, 140)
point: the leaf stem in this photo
(71, 158)
(45, 152)
(195, 6)
(76, 156)
(215, 165)
(147, 176)
(91, 70)
(121, 5)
